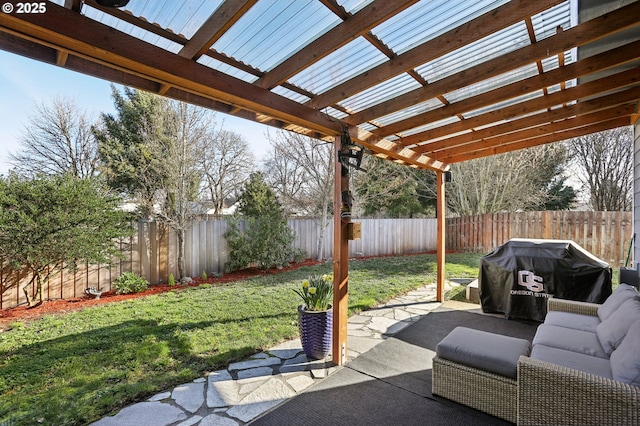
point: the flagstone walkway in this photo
(249, 388)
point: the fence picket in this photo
(152, 252)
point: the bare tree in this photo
(604, 162)
(519, 180)
(180, 157)
(226, 163)
(300, 170)
(152, 151)
(58, 139)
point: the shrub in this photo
(204, 275)
(171, 281)
(130, 283)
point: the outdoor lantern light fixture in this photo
(351, 153)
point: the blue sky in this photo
(25, 82)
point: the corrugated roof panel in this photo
(341, 65)
(389, 89)
(368, 127)
(295, 96)
(334, 112)
(430, 126)
(428, 19)
(227, 69)
(271, 31)
(412, 111)
(485, 49)
(545, 24)
(492, 83)
(352, 6)
(130, 29)
(500, 105)
(551, 62)
(181, 17)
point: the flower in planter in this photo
(317, 292)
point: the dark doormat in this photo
(391, 383)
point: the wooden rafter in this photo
(596, 87)
(577, 69)
(533, 133)
(577, 36)
(554, 137)
(627, 97)
(488, 23)
(218, 23)
(351, 28)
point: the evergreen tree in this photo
(51, 222)
(264, 237)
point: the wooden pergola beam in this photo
(555, 137)
(565, 40)
(351, 28)
(580, 108)
(229, 12)
(584, 90)
(490, 22)
(546, 129)
(602, 61)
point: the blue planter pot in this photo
(316, 329)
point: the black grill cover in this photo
(518, 277)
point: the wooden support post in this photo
(340, 259)
(441, 222)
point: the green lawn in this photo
(78, 367)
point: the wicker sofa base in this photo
(487, 392)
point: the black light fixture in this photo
(351, 153)
(112, 3)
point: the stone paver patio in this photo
(249, 388)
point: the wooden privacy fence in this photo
(152, 252)
(604, 234)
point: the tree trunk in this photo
(324, 221)
(180, 234)
(31, 301)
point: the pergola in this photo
(423, 83)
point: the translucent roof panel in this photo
(341, 65)
(130, 29)
(552, 63)
(352, 6)
(432, 125)
(295, 96)
(485, 49)
(181, 17)
(334, 112)
(428, 19)
(271, 31)
(545, 24)
(493, 83)
(227, 69)
(500, 105)
(420, 108)
(382, 92)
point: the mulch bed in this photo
(25, 313)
